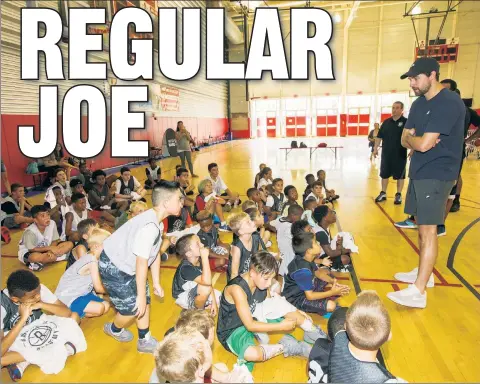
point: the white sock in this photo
(307, 326)
(271, 350)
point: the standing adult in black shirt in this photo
(394, 155)
(434, 131)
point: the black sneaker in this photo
(164, 257)
(381, 197)
(398, 199)
(455, 206)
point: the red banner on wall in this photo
(169, 98)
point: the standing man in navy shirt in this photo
(434, 130)
(394, 155)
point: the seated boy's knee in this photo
(75, 317)
(331, 305)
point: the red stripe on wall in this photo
(16, 163)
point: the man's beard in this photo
(422, 91)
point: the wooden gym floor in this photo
(438, 344)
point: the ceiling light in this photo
(337, 18)
(417, 10)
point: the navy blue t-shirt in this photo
(444, 114)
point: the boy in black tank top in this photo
(324, 216)
(247, 243)
(192, 283)
(305, 283)
(353, 358)
(236, 324)
(84, 229)
(275, 201)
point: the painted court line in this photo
(414, 247)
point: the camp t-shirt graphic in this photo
(40, 335)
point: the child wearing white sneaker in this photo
(237, 327)
(40, 243)
(353, 357)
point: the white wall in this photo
(381, 45)
(198, 97)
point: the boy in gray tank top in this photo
(123, 265)
(79, 284)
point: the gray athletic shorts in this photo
(9, 221)
(121, 287)
(426, 200)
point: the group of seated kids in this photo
(110, 239)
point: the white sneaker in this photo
(409, 297)
(410, 277)
(268, 244)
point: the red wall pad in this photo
(271, 132)
(291, 132)
(271, 121)
(16, 162)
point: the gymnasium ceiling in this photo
(336, 5)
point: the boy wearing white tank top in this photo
(72, 215)
(40, 243)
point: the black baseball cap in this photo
(423, 65)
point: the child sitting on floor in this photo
(80, 248)
(104, 215)
(248, 204)
(81, 282)
(353, 358)
(23, 303)
(275, 201)
(202, 321)
(283, 225)
(309, 206)
(254, 195)
(153, 173)
(192, 283)
(329, 193)
(183, 357)
(304, 284)
(72, 215)
(208, 234)
(292, 196)
(207, 200)
(136, 208)
(40, 243)
(257, 176)
(317, 193)
(237, 325)
(310, 179)
(259, 221)
(265, 177)
(247, 243)
(62, 180)
(340, 257)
